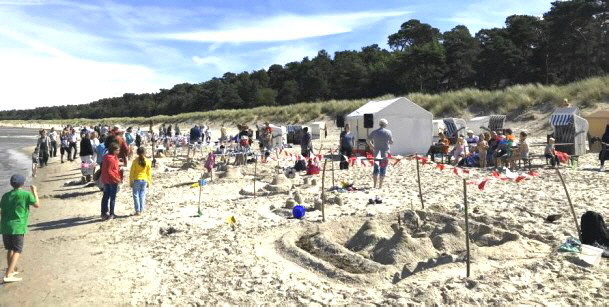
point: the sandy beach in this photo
(359, 255)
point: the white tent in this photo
(318, 130)
(279, 134)
(483, 124)
(410, 124)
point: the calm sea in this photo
(12, 159)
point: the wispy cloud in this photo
(282, 28)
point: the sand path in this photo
(68, 256)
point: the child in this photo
(550, 153)
(482, 148)
(459, 151)
(14, 213)
(140, 178)
(110, 177)
(35, 161)
(523, 146)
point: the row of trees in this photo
(570, 42)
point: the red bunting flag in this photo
(440, 166)
(352, 160)
(482, 184)
(495, 174)
(319, 157)
(456, 170)
(520, 178)
(533, 173)
(465, 171)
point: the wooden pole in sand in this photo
(200, 190)
(255, 173)
(333, 185)
(466, 224)
(419, 182)
(323, 193)
(569, 199)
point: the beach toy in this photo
(202, 182)
(298, 211)
(590, 254)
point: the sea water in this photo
(12, 159)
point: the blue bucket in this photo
(298, 212)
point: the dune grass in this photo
(583, 93)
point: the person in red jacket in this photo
(123, 155)
(110, 177)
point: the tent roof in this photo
(375, 106)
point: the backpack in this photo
(344, 164)
(300, 165)
(593, 229)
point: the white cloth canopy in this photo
(410, 124)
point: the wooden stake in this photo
(323, 193)
(333, 184)
(570, 203)
(466, 225)
(255, 173)
(419, 182)
(200, 190)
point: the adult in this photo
(604, 154)
(380, 141)
(140, 177)
(43, 145)
(94, 143)
(104, 130)
(169, 131)
(86, 154)
(53, 137)
(471, 139)
(64, 139)
(347, 141)
(124, 148)
(441, 147)
(14, 214)
(73, 140)
(306, 146)
(177, 130)
(195, 134)
(267, 136)
(223, 136)
(110, 178)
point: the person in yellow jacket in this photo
(140, 177)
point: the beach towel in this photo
(563, 157)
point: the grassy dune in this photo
(585, 93)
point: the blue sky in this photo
(59, 52)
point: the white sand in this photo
(207, 262)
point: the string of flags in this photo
(369, 161)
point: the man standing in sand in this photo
(379, 142)
(14, 213)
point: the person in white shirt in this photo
(53, 137)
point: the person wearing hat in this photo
(14, 214)
(471, 138)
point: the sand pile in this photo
(280, 184)
(231, 172)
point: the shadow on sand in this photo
(64, 223)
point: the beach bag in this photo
(300, 165)
(593, 229)
(312, 168)
(343, 165)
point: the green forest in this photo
(569, 43)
